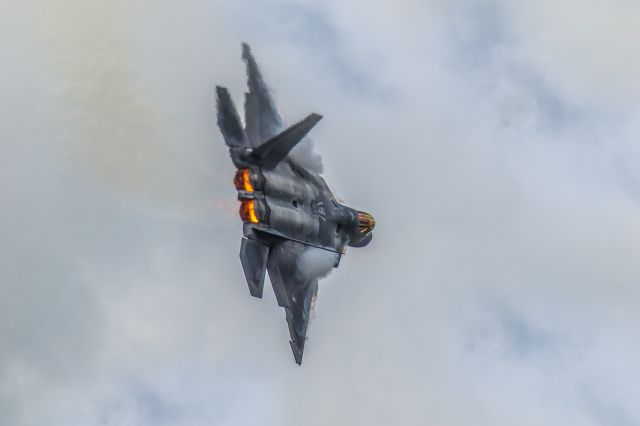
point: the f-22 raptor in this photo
(293, 224)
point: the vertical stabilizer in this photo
(229, 120)
(262, 120)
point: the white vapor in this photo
(316, 263)
(305, 155)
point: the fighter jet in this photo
(291, 220)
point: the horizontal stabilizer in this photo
(270, 153)
(253, 256)
(229, 120)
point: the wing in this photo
(294, 291)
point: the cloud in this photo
(494, 143)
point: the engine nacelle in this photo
(287, 218)
(284, 187)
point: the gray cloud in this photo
(499, 147)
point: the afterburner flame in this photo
(248, 211)
(242, 182)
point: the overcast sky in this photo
(497, 143)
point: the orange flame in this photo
(242, 181)
(248, 211)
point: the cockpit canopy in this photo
(362, 235)
(366, 223)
